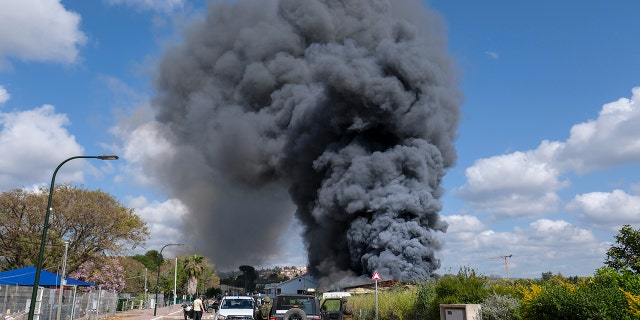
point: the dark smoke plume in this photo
(351, 106)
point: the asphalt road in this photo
(172, 312)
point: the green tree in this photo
(465, 287)
(250, 275)
(93, 222)
(625, 254)
(168, 270)
(134, 275)
(151, 259)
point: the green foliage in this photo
(500, 307)
(397, 303)
(93, 223)
(465, 287)
(598, 297)
(134, 275)
(505, 287)
(151, 259)
(425, 297)
(624, 279)
(625, 255)
(559, 299)
(249, 277)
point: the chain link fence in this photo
(75, 303)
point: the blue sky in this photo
(549, 138)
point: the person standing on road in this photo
(265, 308)
(198, 308)
(347, 308)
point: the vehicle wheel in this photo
(295, 314)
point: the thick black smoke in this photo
(351, 106)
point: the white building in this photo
(301, 285)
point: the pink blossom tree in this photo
(102, 270)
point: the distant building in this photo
(300, 285)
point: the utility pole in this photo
(145, 288)
(63, 281)
(175, 281)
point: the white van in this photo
(335, 295)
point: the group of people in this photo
(195, 309)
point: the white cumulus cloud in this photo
(164, 220)
(517, 184)
(38, 30)
(607, 209)
(525, 183)
(33, 143)
(4, 95)
(545, 245)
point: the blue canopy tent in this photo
(27, 275)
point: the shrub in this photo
(397, 303)
(556, 299)
(500, 307)
(465, 287)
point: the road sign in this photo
(376, 277)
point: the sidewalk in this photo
(171, 312)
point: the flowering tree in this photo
(102, 270)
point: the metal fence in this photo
(87, 303)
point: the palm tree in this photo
(193, 268)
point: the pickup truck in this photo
(236, 308)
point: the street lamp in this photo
(45, 227)
(155, 305)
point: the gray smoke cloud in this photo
(343, 112)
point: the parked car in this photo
(295, 307)
(235, 308)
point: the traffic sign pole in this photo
(376, 299)
(376, 277)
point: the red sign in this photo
(376, 276)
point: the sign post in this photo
(376, 277)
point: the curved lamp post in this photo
(36, 282)
(155, 305)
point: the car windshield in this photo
(305, 303)
(237, 304)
